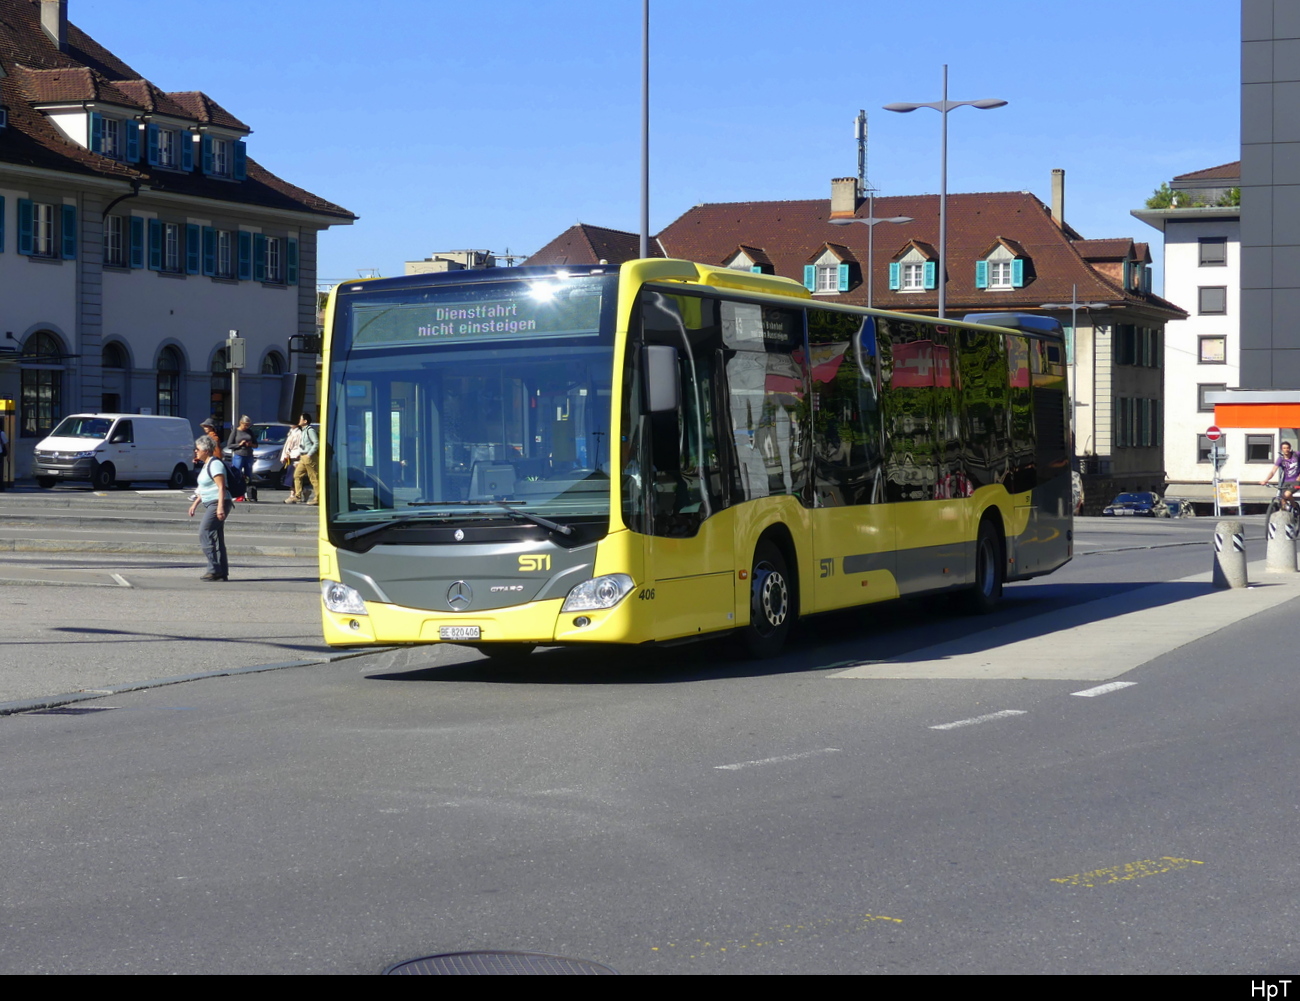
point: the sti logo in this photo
(529, 564)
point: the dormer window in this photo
(115, 137)
(170, 148)
(831, 271)
(1002, 267)
(916, 270)
(223, 157)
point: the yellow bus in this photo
(663, 451)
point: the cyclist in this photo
(1288, 465)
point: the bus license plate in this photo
(459, 632)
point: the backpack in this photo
(236, 483)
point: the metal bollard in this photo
(1229, 554)
(1281, 543)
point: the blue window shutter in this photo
(245, 256)
(930, 269)
(291, 261)
(69, 232)
(894, 268)
(810, 277)
(209, 251)
(193, 248)
(240, 150)
(2, 224)
(151, 139)
(206, 154)
(756, 268)
(187, 150)
(155, 245)
(843, 277)
(131, 131)
(259, 257)
(1018, 273)
(981, 274)
(1128, 275)
(137, 242)
(96, 132)
(25, 229)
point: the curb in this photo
(87, 695)
(156, 548)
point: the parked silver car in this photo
(270, 438)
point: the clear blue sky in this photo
(453, 125)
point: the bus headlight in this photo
(599, 592)
(341, 598)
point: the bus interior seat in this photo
(491, 479)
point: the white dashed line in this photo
(773, 761)
(1114, 686)
(979, 719)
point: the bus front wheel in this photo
(989, 571)
(771, 604)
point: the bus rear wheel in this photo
(983, 595)
(771, 604)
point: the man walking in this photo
(306, 468)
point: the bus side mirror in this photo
(659, 365)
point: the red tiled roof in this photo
(1109, 249)
(756, 254)
(584, 244)
(789, 230)
(205, 111)
(1225, 171)
(34, 71)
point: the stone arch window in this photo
(273, 363)
(170, 367)
(113, 356)
(41, 399)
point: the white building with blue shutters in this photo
(136, 232)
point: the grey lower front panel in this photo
(466, 578)
(79, 470)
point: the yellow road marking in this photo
(1133, 870)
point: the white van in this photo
(116, 449)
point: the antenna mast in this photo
(860, 134)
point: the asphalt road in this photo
(680, 812)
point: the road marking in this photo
(1114, 686)
(979, 719)
(1121, 873)
(777, 760)
(120, 579)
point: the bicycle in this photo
(1286, 500)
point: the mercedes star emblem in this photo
(458, 535)
(459, 595)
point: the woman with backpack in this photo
(215, 498)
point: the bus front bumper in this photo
(539, 622)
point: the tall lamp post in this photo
(943, 107)
(871, 222)
(1074, 305)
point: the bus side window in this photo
(846, 408)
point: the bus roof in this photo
(1030, 323)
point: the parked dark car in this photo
(1143, 505)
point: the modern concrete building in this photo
(136, 231)
(1203, 267)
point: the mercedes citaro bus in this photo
(663, 451)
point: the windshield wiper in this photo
(536, 519)
(546, 523)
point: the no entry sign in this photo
(1213, 432)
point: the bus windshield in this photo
(451, 402)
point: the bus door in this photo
(854, 530)
(674, 484)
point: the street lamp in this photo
(871, 222)
(943, 107)
(1074, 305)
